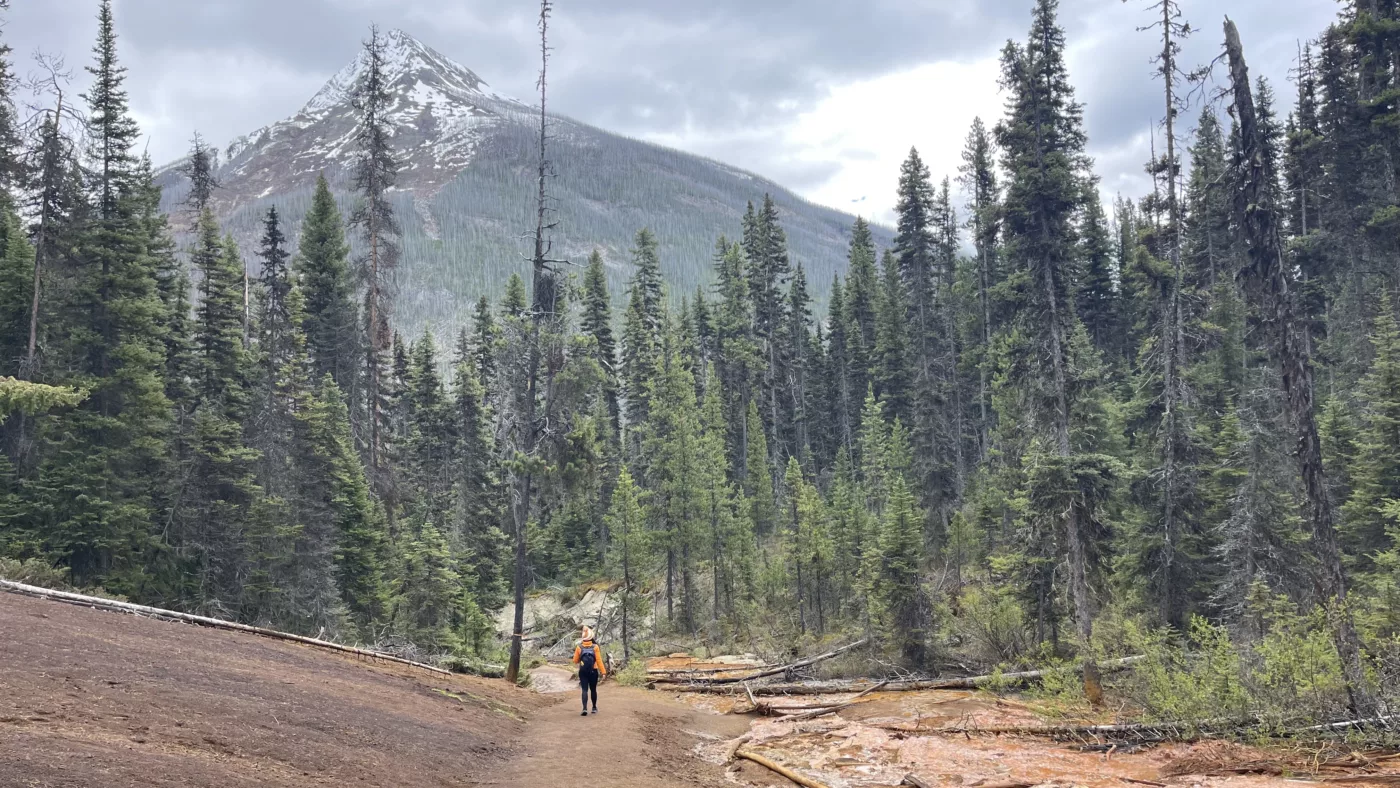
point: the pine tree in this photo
(840, 372)
(281, 381)
(925, 403)
(11, 169)
(16, 271)
(800, 359)
(57, 203)
(737, 355)
(729, 547)
(1206, 239)
(1258, 531)
(514, 304)
(428, 590)
(218, 504)
(429, 451)
(1097, 299)
(289, 543)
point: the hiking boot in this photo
(584, 713)
(595, 709)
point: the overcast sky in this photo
(823, 96)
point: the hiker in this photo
(589, 659)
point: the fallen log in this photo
(840, 687)
(682, 673)
(114, 606)
(1347, 724)
(779, 769)
(773, 671)
(818, 711)
(1373, 779)
(1141, 731)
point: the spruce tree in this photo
(199, 168)
(376, 168)
(1375, 469)
(478, 514)
(896, 581)
(486, 339)
(862, 305)
(758, 479)
(1042, 140)
(892, 375)
(628, 554)
(333, 489)
(216, 509)
(332, 332)
(737, 360)
(106, 458)
(597, 323)
(979, 182)
(1257, 210)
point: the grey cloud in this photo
(710, 70)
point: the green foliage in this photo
(21, 396)
(993, 622)
(633, 674)
(35, 572)
(1196, 684)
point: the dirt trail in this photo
(637, 740)
(97, 699)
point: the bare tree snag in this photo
(542, 367)
(1265, 277)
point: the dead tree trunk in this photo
(1265, 277)
(541, 366)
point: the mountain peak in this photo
(408, 63)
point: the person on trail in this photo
(589, 659)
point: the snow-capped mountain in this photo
(465, 187)
(439, 112)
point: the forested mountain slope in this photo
(467, 158)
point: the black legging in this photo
(588, 683)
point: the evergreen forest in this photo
(1037, 430)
